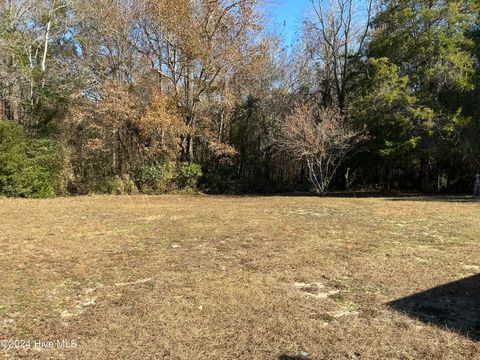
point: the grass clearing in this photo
(195, 277)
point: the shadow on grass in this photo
(455, 306)
(389, 196)
(288, 357)
(438, 198)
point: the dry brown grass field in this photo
(197, 277)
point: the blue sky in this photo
(286, 17)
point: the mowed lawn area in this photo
(200, 277)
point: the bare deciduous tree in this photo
(322, 138)
(335, 38)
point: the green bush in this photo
(156, 178)
(167, 177)
(28, 168)
(188, 175)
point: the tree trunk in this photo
(425, 185)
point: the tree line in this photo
(153, 96)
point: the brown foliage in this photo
(125, 128)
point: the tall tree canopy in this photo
(157, 95)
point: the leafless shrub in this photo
(320, 137)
